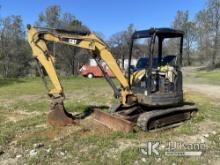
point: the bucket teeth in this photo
(58, 116)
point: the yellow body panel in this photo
(137, 75)
(38, 50)
(90, 42)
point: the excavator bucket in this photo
(58, 116)
(112, 121)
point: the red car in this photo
(94, 71)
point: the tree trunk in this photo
(215, 51)
(73, 65)
(123, 61)
(73, 61)
(188, 58)
(6, 70)
(6, 66)
(188, 53)
(123, 57)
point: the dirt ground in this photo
(26, 138)
(205, 89)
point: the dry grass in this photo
(23, 123)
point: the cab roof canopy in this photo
(160, 32)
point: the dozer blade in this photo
(58, 116)
(112, 121)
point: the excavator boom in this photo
(38, 37)
(149, 99)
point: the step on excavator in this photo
(150, 97)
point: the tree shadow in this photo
(188, 103)
(9, 81)
(89, 110)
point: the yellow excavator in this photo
(150, 96)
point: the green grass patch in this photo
(92, 146)
(201, 77)
(10, 129)
(187, 128)
(32, 106)
(215, 139)
(130, 156)
(208, 108)
(211, 76)
(204, 77)
(2, 118)
(75, 106)
(34, 138)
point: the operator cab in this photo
(157, 78)
(143, 62)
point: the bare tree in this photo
(203, 27)
(50, 17)
(120, 42)
(14, 53)
(214, 14)
(182, 22)
(208, 33)
(67, 61)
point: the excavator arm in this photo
(38, 37)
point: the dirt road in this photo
(206, 89)
(198, 85)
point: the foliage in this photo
(25, 125)
(69, 59)
(202, 34)
(201, 43)
(182, 22)
(120, 42)
(14, 51)
(208, 33)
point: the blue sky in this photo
(107, 16)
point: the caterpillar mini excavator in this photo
(150, 97)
